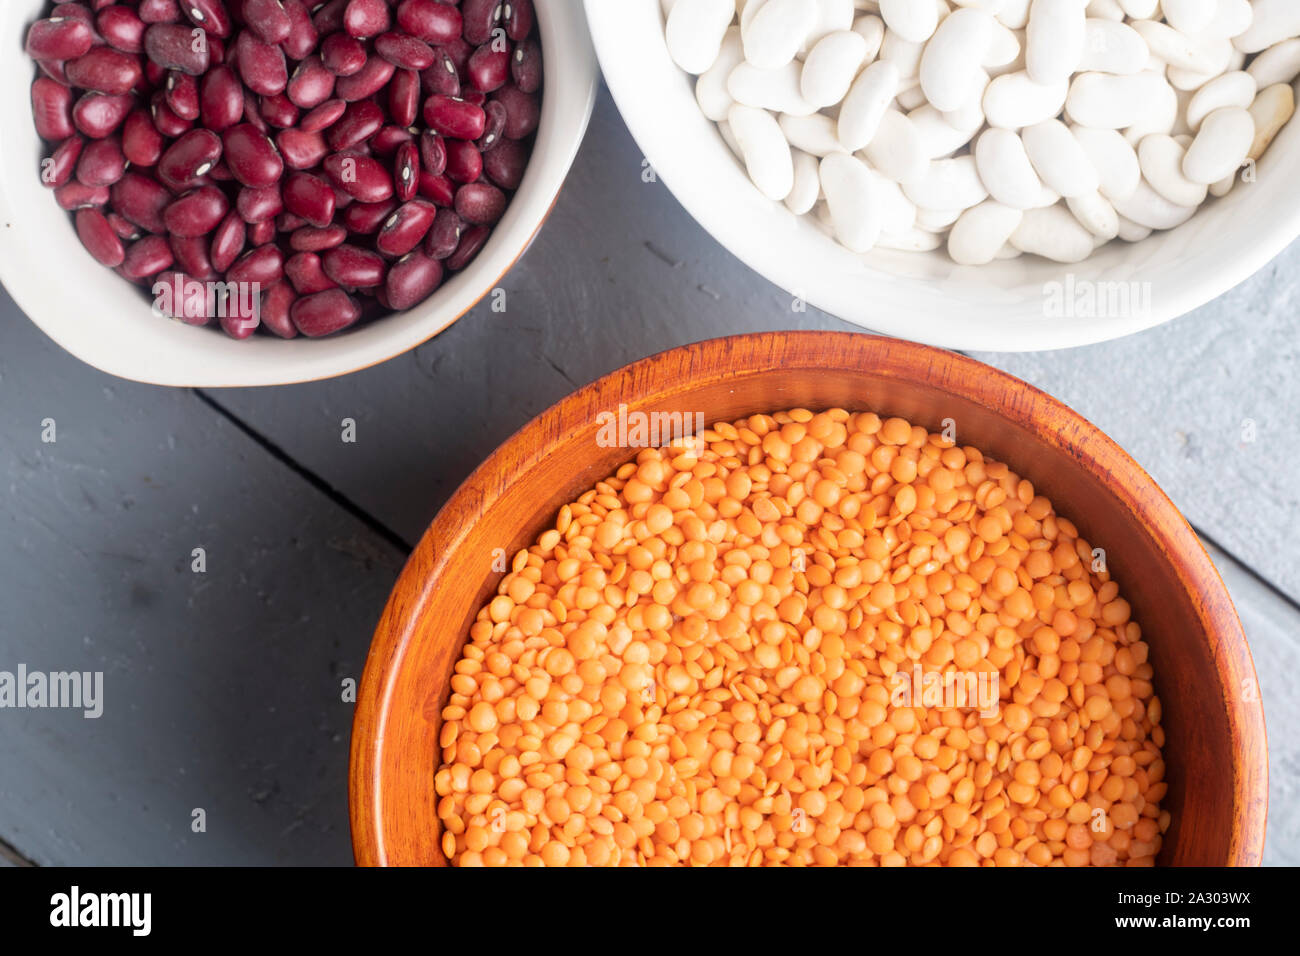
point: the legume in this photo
(693, 667)
(238, 141)
(916, 124)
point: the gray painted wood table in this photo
(222, 688)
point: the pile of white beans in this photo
(992, 127)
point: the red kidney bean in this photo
(182, 95)
(360, 122)
(480, 17)
(57, 170)
(442, 77)
(126, 230)
(264, 264)
(360, 177)
(142, 200)
(55, 70)
(52, 109)
(322, 117)
(433, 152)
(148, 257)
(302, 38)
(444, 235)
(99, 238)
(526, 66)
(197, 212)
(228, 241)
(174, 46)
(455, 117)
(505, 164)
(364, 218)
(164, 117)
(98, 115)
(440, 189)
(329, 17)
(277, 301)
(211, 15)
(75, 195)
(77, 10)
(311, 198)
(493, 127)
(429, 20)
(471, 241)
(121, 28)
(366, 18)
(160, 11)
(268, 19)
(476, 97)
(287, 222)
(239, 319)
(260, 233)
(221, 99)
(221, 173)
(192, 256)
(480, 203)
(141, 141)
(406, 172)
(325, 313)
(153, 74)
(405, 228)
(307, 274)
(464, 161)
(367, 81)
(182, 297)
(190, 158)
(277, 111)
(253, 111)
(317, 238)
(518, 17)
(259, 205)
(353, 267)
(252, 158)
(262, 66)
(404, 52)
(216, 51)
(411, 280)
(404, 97)
(102, 162)
(342, 55)
(105, 70)
(311, 84)
(488, 68)
(522, 111)
(59, 39)
(301, 150)
(389, 140)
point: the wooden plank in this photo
(1272, 626)
(221, 690)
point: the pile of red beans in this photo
(342, 156)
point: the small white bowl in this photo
(1005, 306)
(108, 323)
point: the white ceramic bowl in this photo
(108, 323)
(1003, 306)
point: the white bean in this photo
(1114, 159)
(1273, 22)
(1005, 169)
(1272, 109)
(850, 195)
(831, 66)
(913, 20)
(813, 134)
(1112, 47)
(981, 232)
(1221, 146)
(776, 90)
(1059, 159)
(866, 103)
(1013, 100)
(1095, 214)
(1054, 40)
(711, 88)
(1053, 234)
(1161, 159)
(807, 184)
(1103, 101)
(1146, 207)
(1189, 16)
(695, 30)
(766, 153)
(896, 150)
(1228, 89)
(776, 32)
(952, 57)
(948, 184)
(1280, 63)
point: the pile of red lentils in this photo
(693, 667)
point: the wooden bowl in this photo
(1215, 746)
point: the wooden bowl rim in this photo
(851, 351)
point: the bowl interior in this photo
(1009, 305)
(108, 323)
(1214, 739)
